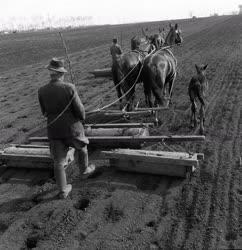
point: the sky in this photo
(114, 11)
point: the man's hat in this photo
(56, 65)
(115, 40)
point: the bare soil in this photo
(115, 210)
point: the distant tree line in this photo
(43, 22)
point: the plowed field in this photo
(203, 212)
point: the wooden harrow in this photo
(36, 154)
(154, 162)
(106, 72)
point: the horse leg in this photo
(130, 99)
(165, 90)
(116, 80)
(202, 112)
(119, 93)
(193, 114)
(159, 99)
(147, 92)
(171, 84)
(202, 119)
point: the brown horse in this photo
(159, 70)
(157, 39)
(126, 73)
(196, 90)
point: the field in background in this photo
(170, 213)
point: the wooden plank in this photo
(29, 146)
(152, 109)
(114, 132)
(29, 164)
(31, 157)
(152, 159)
(27, 151)
(150, 167)
(106, 72)
(127, 139)
(195, 156)
(19, 157)
(120, 113)
(130, 139)
(120, 125)
(157, 153)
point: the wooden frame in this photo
(178, 164)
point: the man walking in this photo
(115, 50)
(60, 103)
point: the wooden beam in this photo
(114, 132)
(29, 164)
(152, 109)
(153, 162)
(106, 72)
(28, 146)
(178, 155)
(151, 168)
(19, 157)
(120, 125)
(154, 159)
(130, 139)
(120, 113)
(27, 157)
(27, 151)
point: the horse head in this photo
(201, 73)
(174, 35)
(156, 39)
(135, 42)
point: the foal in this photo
(196, 90)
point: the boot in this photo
(85, 170)
(66, 192)
(60, 177)
(89, 171)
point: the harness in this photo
(142, 54)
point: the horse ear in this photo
(197, 68)
(205, 67)
(170, 25)
(176, 26)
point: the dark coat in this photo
(54, 97)
(115, 51)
